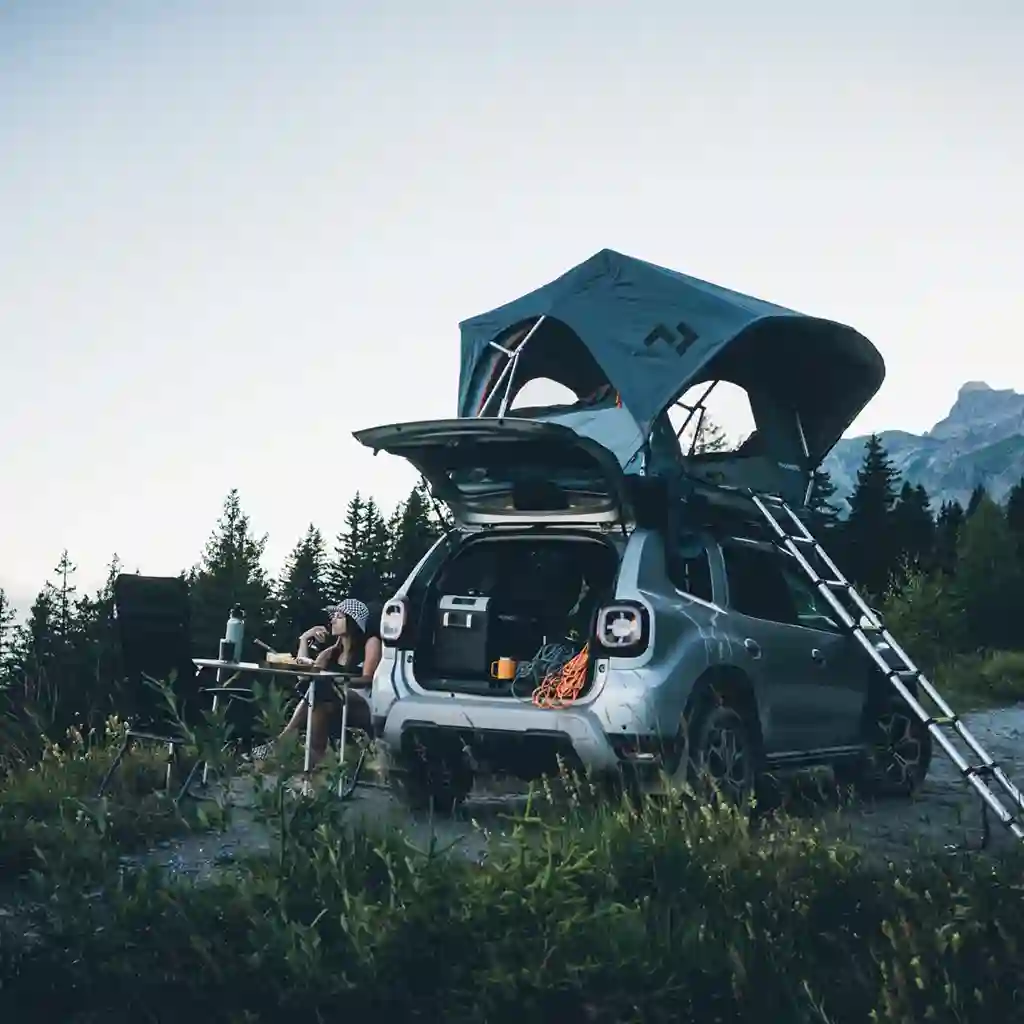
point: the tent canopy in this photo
(652, 333)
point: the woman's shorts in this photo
(324, 691)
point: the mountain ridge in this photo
(979, 441)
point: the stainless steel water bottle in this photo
(235, 631)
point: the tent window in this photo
(728, 419)
(543, 392)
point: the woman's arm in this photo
(371, 656)
(314, 632)
(327, 655)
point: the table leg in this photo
(341, 744)
(310, 696)
(206, 764)
(220, 682)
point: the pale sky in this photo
(231, 233)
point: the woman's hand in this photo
(323, 659)
(317, 633)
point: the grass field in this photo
(670, 912)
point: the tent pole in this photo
(691, 409)
(807, 457)
(509, 371)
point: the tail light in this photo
(623, 628)
(392, 620)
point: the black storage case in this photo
(462, 636)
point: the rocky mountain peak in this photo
(980, 407)
(980, 441)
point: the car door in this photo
(834, 691)
(777, 653)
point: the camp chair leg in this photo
(115, 764)
(172, 760)
(187, 784)
(204, 775)
(346, 789)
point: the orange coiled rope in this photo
(565, 684)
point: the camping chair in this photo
(153, 628)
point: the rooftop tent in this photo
(649, 334)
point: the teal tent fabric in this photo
(652, 333)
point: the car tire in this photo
(723, 755)
(898, 754)
(430, 780)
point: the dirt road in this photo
(946, 813)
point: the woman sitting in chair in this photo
(356, 649)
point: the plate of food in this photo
(287, 660)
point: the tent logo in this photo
(680, 339)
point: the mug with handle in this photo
(503, 668)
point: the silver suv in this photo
(707, 650)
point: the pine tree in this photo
(989, 579)
(1015, 510)
(914, 529)
(36, 649)
(346, 563)
(977, 496)
(8, 633)
(869, 547)
(822, 514)
(66, 594)
(301, 591)
(438, 514)
(373, 577)
(414, 533)
(948, 525)
(97, 655)
(709, 437)
(230, 573)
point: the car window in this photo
(812, 610)
(756, 584)
(689, 569)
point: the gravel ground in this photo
(946, 814)
(947, 811)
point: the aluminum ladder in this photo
(985, 775)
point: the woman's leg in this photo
(320, 731)
(295, 723)
(298, 719)
(320, 728)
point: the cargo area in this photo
(510, 597)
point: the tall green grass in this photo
(53, 823)
(666, 912)
(669, 910)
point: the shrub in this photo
(925, 617)
(994, 678)
(659, 914)
(52, 821)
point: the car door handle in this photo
(753, 648)
(817, 657)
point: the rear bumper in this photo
(578, 727)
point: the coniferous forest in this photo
(950, 580)
(60, 666)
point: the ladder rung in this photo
(981, 770)
(904, 674)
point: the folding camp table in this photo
(340, 681)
